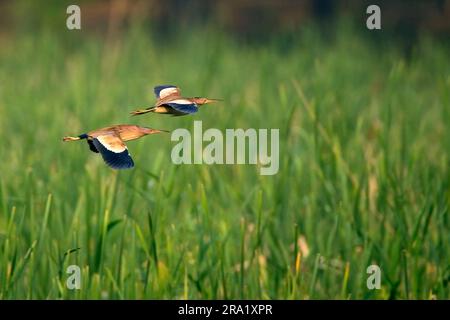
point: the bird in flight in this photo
(110, 143)
(170, 101)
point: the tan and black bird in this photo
(170, 101)
(110, 143)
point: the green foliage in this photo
(364, 169)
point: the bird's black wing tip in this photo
(115, 160)
(92, 146)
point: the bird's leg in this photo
(71, 138)
(81, 136)
(142, 111)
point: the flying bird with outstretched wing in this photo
(170, 101)
(110, 143)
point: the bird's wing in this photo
(114, 151)
(183, 105)
(164, 91)
(91, 146)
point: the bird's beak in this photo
(212, 100)
(152, 131)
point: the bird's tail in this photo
(142, 111)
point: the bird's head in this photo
(200, 101)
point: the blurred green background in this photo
(364, 151)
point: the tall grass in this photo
(364, 169)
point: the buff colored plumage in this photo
(170, 101)
(110, 143)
